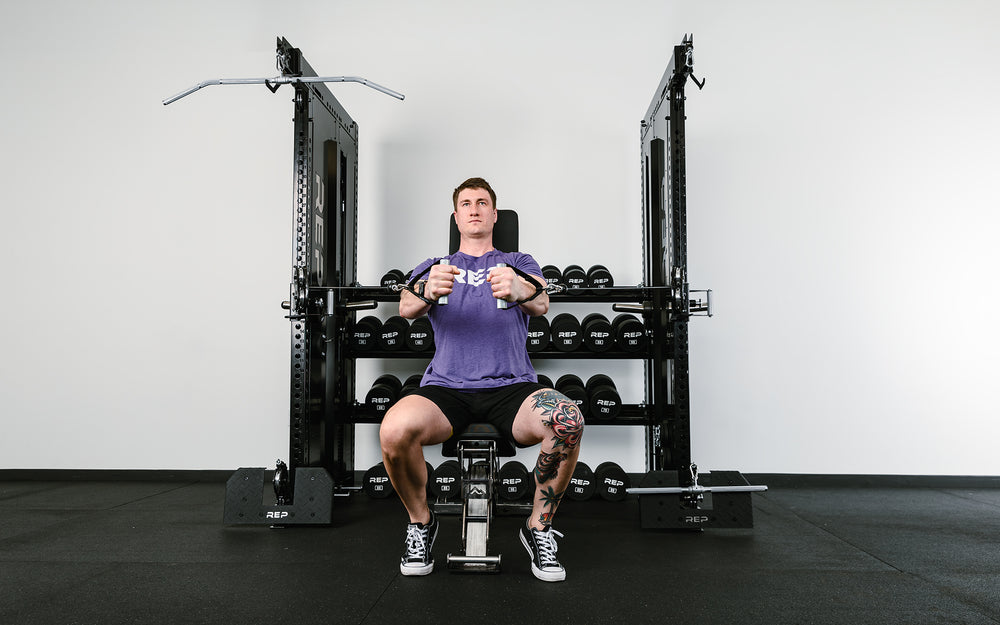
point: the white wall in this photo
(841, 161)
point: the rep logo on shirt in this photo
(473, 278)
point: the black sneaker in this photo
(541, 546)
(417, 558)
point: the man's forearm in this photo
(411, 306)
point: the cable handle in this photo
(501, 304)
(443, 299)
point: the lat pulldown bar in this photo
(277, 81)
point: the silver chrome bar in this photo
(283, 80)
(679, 490)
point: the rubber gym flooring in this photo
(154, 550)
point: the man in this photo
(480, 372)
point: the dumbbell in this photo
(612, 481)
(630, 333)
(446, 480)
(392, 336)
(363, 336)
(552, 274)
(566, 332)
(581, 485)
(515, 481)
(597, 332)
(376, 482)
(392, 277)
(602, 397)
(573, 387)
(575, 277)
(411, 384)
(383, 393)
(545, 380)
(538, 333)
(598, 277)
(419, 335)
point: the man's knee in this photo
(562, 415)
(408, 423)
(394, 433)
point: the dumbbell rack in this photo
(630, 414)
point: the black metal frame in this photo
(325, 256)
(668, 439)
(324, 407)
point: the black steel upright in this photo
(668, 440)
(324, 258)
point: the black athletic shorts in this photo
(496, 406)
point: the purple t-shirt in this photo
(478, 345)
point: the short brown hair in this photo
(474, 183)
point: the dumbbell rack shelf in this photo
(581, 353)
(609, 295)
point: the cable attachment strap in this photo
(409, 287)
(539, 289)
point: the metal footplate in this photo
(478, 460)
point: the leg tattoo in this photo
(548, 465)
(564, 418)
(551, 499)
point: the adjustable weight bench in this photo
(478, 449)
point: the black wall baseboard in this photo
(112, 475)
(795, 480)
(771, 480)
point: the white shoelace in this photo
(547, 546)
(416, 541)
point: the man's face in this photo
(475, 213)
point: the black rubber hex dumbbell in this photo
(574, 277)
(420, 335)
(538, 333)
(597, 333)
(363, 335)
(603, 399)
(566, 332)
(598, 277)
(611, 481)
(630, 333)
(383, 393)
(581, 485)
(573, 387)
(392, 336)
